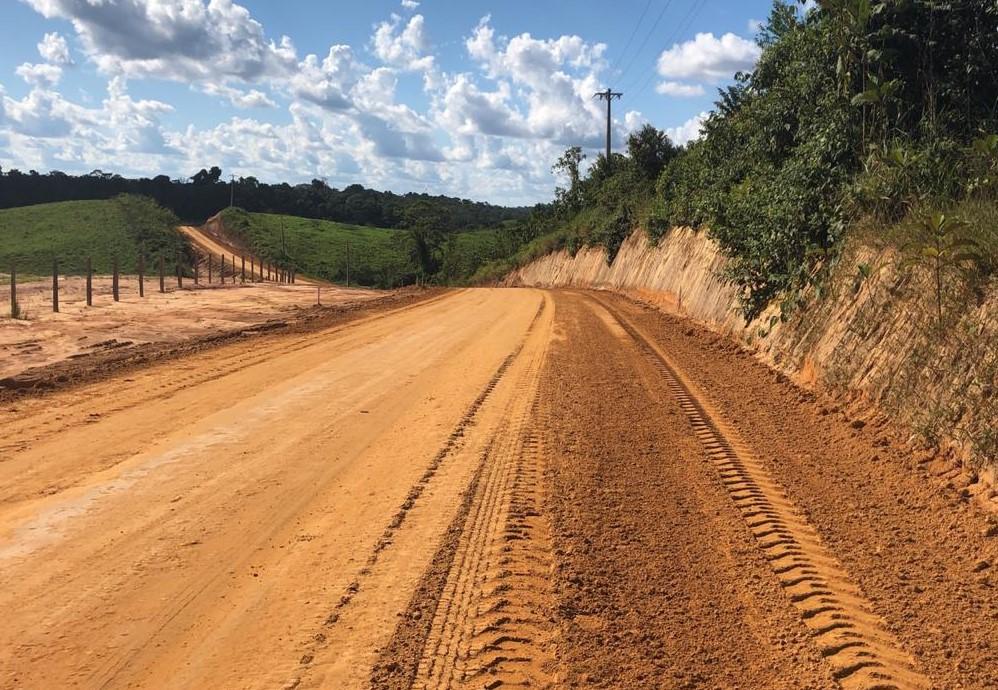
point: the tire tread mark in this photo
(863, 654)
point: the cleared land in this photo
(177, 315)
(485, 488)
(72, 231)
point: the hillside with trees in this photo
(861, 117)
(206, 193)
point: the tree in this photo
(207, 177)
(568, 165)
(424, 221)
(650, 150)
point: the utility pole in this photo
(608, 96)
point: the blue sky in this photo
(471, 98)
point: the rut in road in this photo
(863, 654)
(491, 604)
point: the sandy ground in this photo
(483, 489)
(45, 337)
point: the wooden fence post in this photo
(243, 260)
(55, 285)
(221, 268)
(180, 276)
(233, 269)
(14, 311)
(142, 273)
(209, 268)
(162, 275)
(196, 269)
(114, 277)
(90, 282)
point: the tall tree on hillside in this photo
(569, 165)
(424, 221)
(650, 150)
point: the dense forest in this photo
(205, 193)
(859, 116)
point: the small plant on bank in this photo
(941, 246)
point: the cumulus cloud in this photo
(465, 110)
(679, 89)
(40, 74)
(556, 80)
(689, 130)
(708, 59)
(401, 46)
(488, 132)
(181, 40)
(54, 49)
(327, 83)
(251, 98)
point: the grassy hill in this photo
(31, 236)
(377, 256)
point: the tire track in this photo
(854, 640)
(490, 606)
(455, 441)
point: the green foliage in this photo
(71, 231)
(205, 193)
(941, 246)
(863, 108)
(378, 257)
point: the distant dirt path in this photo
(212, 245)
(486, 489)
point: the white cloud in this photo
(556, 78)
(754, 25)
(465, 110)
(689, 130)
(405, 48)
(410, 4)
(251, 98)
(679, 90)
(709, 59)
(40, 74)
(491, 131)
(54, 49)
(183, 40)
(327, 83)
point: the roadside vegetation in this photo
(362, 255)
(858, 114)
(32, 236)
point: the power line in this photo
(682, 27)
(647, 36)
(634, 33)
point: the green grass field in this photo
(71, 231)
(377, 256)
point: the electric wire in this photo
(637, 25)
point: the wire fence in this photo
(183, 271)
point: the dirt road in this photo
(491, 488)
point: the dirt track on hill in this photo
(488, 488)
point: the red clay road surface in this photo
(483, 489)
